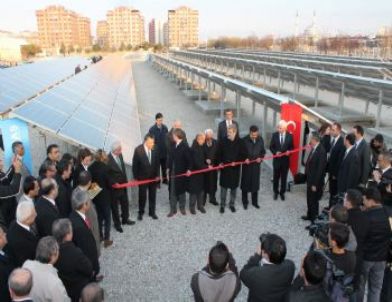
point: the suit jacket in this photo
(336, 155)
(222, 129)
(382, 187)
(363, 151)
(141, 167)
(100, 174)
(6, 267)
(74, 269)
(160, 135)
(63, 200)
(84, 239)
(267, 282)
(276, 147)
(21, 244)
(47, 213)
(9, 189)
(78, 169)
(180, 161)
(117, 174)
(348, 176)
(315, 167)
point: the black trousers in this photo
(386, 291)
(312, 200)
(162, 162)
(280, 174)
(245, 200)
(152, 192)
(104, 219)
(333, 189)
(120, 200)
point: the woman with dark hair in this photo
(72, 160)
(99, 175)
(196, 182)
(83, 162)
(377, 146)
(325, 134)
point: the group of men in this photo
(53, 226)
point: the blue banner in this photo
(13, 130)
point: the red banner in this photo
(292, 114)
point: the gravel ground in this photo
(154, 260)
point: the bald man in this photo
(20, 284)
(281, 142)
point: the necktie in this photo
(118, 161)
(149, 156)
(333, 142)
(281, 140)
(87, 221)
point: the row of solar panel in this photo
(25, 81)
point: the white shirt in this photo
(386, 169)
(229, 123)
(148, 152)
(26, 227)
(2, 253)
(85, 167)
(265, 261)
(178, 143)
(50, 200)
(348, 150)
(358, 142)
(82, 215)
(25, 197)
(282, 136)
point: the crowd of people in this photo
(53, 226)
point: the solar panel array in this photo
(94, 108)
(25, 81)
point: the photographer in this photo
(268, 275)
(307, 286)
(340, 214)
(341, 263)
(219, 280)
(376, 247)
(359, 223)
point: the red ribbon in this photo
(135, 183)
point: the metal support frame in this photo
(341, 98)
(379, 107)
(279, 74)
(238, 106)
(316, 92)
(264, 121)
(222, 105)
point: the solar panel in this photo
(94, 108)
(25, 81)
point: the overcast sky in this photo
(226, 17)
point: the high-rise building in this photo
(183, 27)
(152, 32)
(165, 30)
(125, 27)
(58, 27)
(103, 33)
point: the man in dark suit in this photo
(224, 125)
(9, 188)
(281, 142)
(315, 174)
(22, 240)
(250, 181)
(63, 199)
(348, 176)
(211, 178)
(47, 211)
(117, 172)
(363, 151)
(179, 162)
(81, 226)
(20, 285)
(145, 165)
(336, 155)
(268, 274)
(159, 132)
(74, 268)
(6, 267)
(383, 174)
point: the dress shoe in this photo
(171, 214)
(245, 206)
(282, 197)
(128, 222)
(202, 210)
(275, 196)
(140, 217)
(214, 202)
(119, 228)
(232, 209)
(222, 210)
(305, 217)
(183, 212)
(98, 278)
(153, 216)
(107, 243)
(193, 211)
(256, 205)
